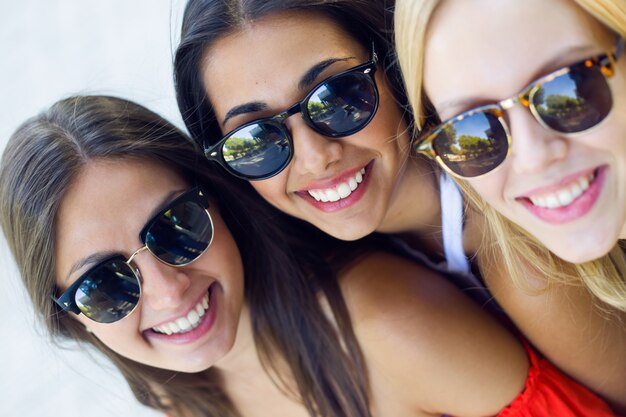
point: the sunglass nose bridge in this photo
(281, 117)
(509, 103)
(137, 252)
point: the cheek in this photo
(273, 190)
(615, 138)
(389, 126)
(225, 253)
(121, 337)
(491, 189)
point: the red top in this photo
(550, 393)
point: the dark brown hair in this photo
(285, 270)
(205, 21)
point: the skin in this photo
(402, 196)
(539, 158)
(89, 223)
(587, 343)
(474, 358)
(391, 202)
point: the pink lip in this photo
(330, 183)
(206, 323)
(558, 185)
(577, 209)
(356, 195)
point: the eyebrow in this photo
(305, 82)
(96, 258)
(548, 67)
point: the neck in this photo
(415, 209)
(248, 384)
(242, 357)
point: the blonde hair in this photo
(503, 239)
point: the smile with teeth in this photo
(187, 323)
(565, 196)
(341, 190)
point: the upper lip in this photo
(181, 314)
(333, 181)
(555, 186)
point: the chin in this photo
(348, 235)
(592, 251)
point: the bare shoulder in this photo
(426, 344)
(389, 280)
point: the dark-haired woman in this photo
(303, 100)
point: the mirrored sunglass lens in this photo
(181, 234)
(575, 101)
(472, 146)
(257, 150)
(109, 293)
(343, 105)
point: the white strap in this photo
(452, 225)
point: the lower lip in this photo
(343, 203)
(206, 323)
(575, 210)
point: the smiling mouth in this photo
(564, 196)
(189, 322)
(340, 191)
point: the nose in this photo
(314, 153)
(163, 287)
(534, 147)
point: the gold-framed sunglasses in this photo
(570, 100)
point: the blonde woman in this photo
(531, 96)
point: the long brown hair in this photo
(285, 270)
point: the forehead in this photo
(267, 55)
(492, 48)
(106, 206)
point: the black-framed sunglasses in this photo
(176, 236)
(341, 105)
(569, 100)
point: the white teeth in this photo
(344, 190)
(187, 323)
(193, 317)
(577, 189)
(332, 195)
(565, 196)
(315, 195)
(183, 323)
(340, 191)
(584, 182)
(552, 202)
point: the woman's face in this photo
(103, 213)
(273, 63)
(569, 191)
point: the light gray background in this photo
(51, 49)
